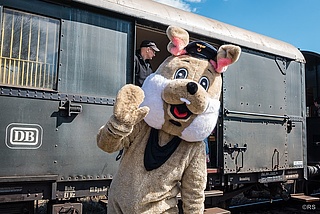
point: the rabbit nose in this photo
(192, 88)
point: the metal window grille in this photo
(28, 50)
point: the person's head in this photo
(148, 49)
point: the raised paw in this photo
(126, 108)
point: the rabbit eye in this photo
(181, 73)
(204, 82)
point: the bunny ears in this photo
(179, 45)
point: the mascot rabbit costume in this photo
(161, 128)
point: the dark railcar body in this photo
(50, 117)
(263, 116)
(313, 119)
(62, 63)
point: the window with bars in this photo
(28, 50)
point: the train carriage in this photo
(312, 79)
(62, 63)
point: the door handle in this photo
(67, 108)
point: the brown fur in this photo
(136, 190)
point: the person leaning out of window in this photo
(142, 59)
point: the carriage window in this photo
(96, 52)
(28, 50)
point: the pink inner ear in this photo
(178, 43)
(179, 46)
(177, 52)
(223, 62)
(213, 63)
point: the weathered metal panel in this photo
(21, 154)
(255, 84)
(254, 105)
(263, 146)
(295, 100)
(68, 144)
(94, 54)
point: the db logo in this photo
(23, 136)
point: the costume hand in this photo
(126, 108)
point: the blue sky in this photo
(294, 21)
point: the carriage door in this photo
(255, 134)
(95, 62)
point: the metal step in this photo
(212, 170)
(216, 210)
(303, 197)
(209, 193)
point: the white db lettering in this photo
(26, 136)
(23, 136)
